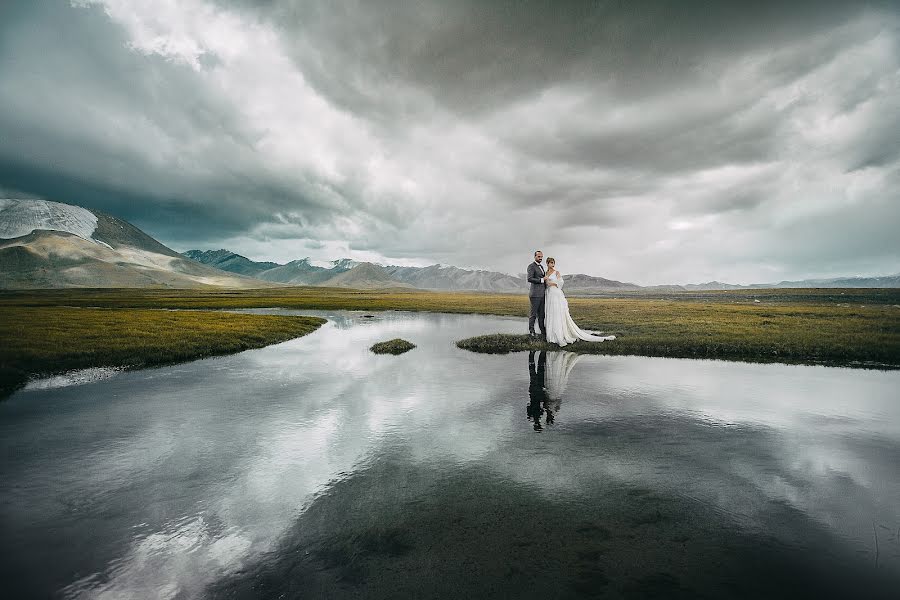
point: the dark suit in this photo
(537, 394)
(535, 274)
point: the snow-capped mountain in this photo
(20, 217)
(47, 244)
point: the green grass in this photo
(342, 298)
(47, 340)
(395, 346)
(852, 327)
(498, 343)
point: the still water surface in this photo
(314, 468)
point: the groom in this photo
(536, 277)
(537, 393)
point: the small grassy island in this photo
(395, 346)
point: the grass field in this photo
(43, 331)
(47, 340)
(829, 333)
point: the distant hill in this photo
(441, 277)
(364, 275)
(712, 285)
(229, 261)
(587, 283)
(296, 272)
(433, 277)
(47, 244)
(302, 272)
(450, 278)
(889, 281)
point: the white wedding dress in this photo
(561, 329)
(556, 375)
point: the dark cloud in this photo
(95, 124)
(856, 232)
(477, 56)
(675, 140)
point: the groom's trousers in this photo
(537, 313)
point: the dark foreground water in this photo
(314, 469)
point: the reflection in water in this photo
(314, 468)
(547, 380)
(537, 394)
(559, 366)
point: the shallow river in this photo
(314, 468)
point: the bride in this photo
(561, 329)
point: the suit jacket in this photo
(535, 275)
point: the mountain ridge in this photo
(450, 278)
(45, 244)
(52, 244)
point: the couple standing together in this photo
(550, 308)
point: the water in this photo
(314, 468)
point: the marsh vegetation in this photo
(52, 330)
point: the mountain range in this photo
(47, 244)
(347, 273)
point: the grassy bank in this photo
(50, 339)
(829, 333)
(855, 327)
(498, 343)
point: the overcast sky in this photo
(652, 142)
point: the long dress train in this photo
(561, 329)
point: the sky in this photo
(650, 142)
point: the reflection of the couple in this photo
(546, 384)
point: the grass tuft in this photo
(395, 346)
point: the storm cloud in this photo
(654, 142)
